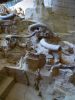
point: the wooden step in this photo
(5, 86)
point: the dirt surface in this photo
(69, 37)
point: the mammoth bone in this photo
(5, 13)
